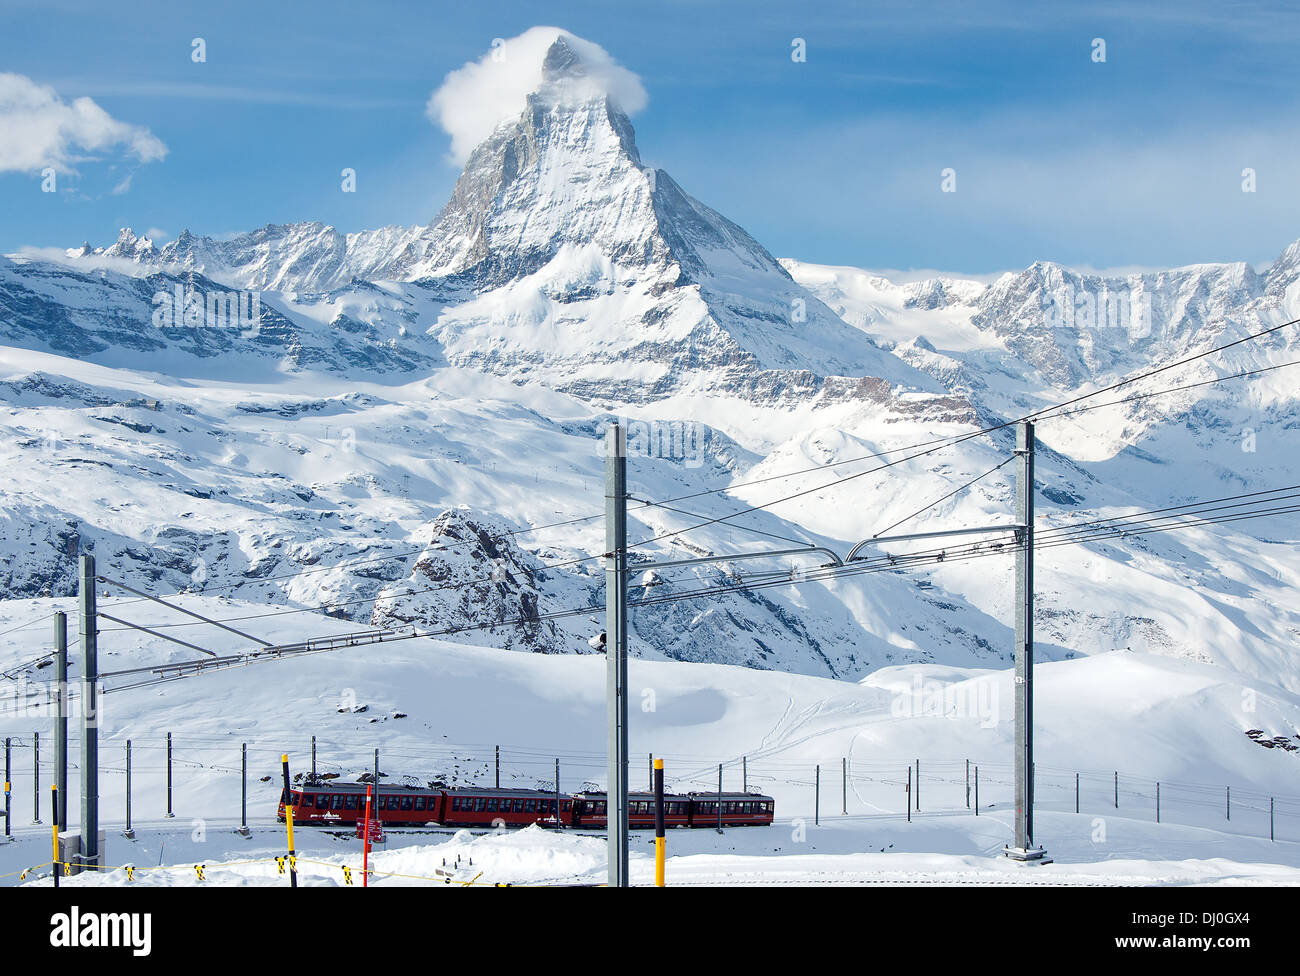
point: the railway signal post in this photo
(616, 651)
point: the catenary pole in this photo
(87, 612)
(616, 652)
(1024, 648)
(61, 717)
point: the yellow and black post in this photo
(288, 822)
(660, 840)
(54, 808)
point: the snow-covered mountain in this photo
(409, 404)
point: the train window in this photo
(491, 805)
(406, 803)
(336, 801)
(455, 803)
(322, 801)
(530, 806)
(564, 805)
(419, 803)
(306, 800)
(480, 804)
(350, 801)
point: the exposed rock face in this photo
(475, 580)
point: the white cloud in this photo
(476, 98)
(39, 129)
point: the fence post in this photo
(9, 810)
(719, 797)
(36, 777)
(817, 795)
(169, 775)
(243, 785)
(128, 833)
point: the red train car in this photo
(344, 803)
(396, 806)
(738, 809)
(488, 807)
(590, 810)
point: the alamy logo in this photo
(187, 308)
(1082, 309)
(102, 930)
(682, 441)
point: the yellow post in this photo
(288, 822)
(54, 859)
(660, 841)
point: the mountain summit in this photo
(561, 257)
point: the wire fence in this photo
(216, 777)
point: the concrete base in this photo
(1030, 855)
(243, 831)
(129, 834)
(70, 853)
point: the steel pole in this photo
(616, 652)
(129, 833)
(89, 715)
(36, 777)
(61, 719)
(243, 788)
(9, 810)
(1024, 646)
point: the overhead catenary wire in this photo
(880, 564)
(958, 439)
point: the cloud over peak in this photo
(476, 98)
(39, 129)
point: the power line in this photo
(937, 501)
(1042, 412)
(884, 563)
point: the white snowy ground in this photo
(942, 849)
(436, 709)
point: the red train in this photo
(344, 803)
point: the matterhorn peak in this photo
(561, 62)
(546, 64)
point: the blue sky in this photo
(1133, 162)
